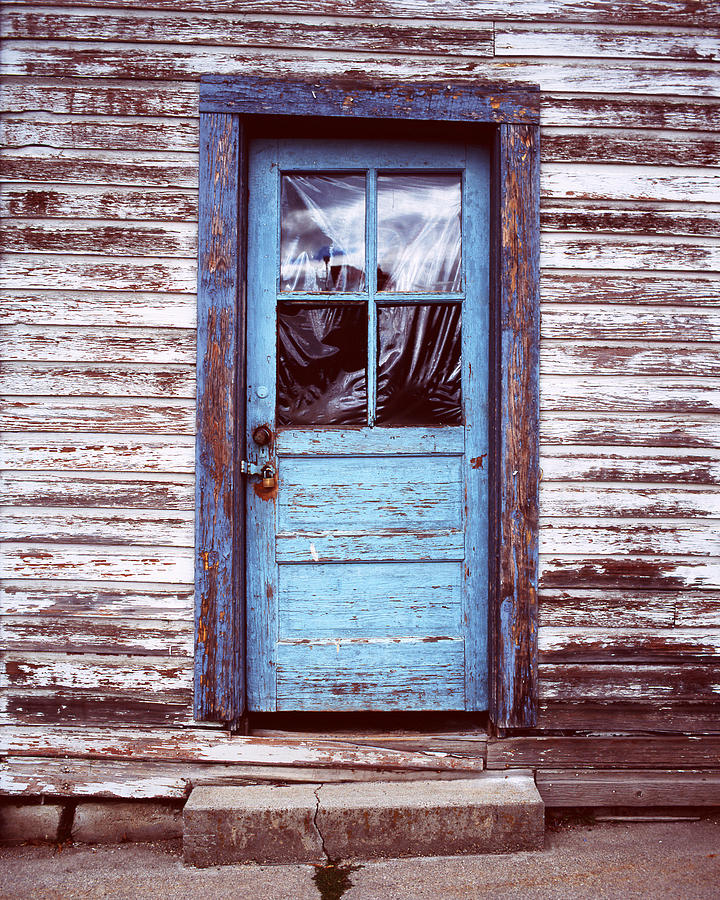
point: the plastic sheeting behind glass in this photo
(322, 233)
(322, 365)
(419, 232)
(419, 374)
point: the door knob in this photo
(262, 435)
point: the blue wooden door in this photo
(367, 349)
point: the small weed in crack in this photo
(332, 879)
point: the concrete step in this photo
(314, 823)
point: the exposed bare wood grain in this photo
(653, 183)
(650, 716)
(630, 464)
(633, 148)
(626, 572)
(598, 608)
(682, 113)
(580, 499)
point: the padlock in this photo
(268, 476)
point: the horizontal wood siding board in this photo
(632, 464)
(117, 414)
(98, 451)
(650, 716)
(642, 12)
(514, 646)
(424, 101)
(628, 752)
(63, 706)
(628, 645)
(399, 36)
(639, 608)
(98, 308)
(195, 744)
(571, 787)
(44, 598)
(625, 572)
(630, 288)
(618, 683)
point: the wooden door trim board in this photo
(508, 115)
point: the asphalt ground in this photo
(618, 859)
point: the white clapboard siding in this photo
(604, 644)
(177, 62)
(568, 251)
(603, 146)
(657, 183)
(592, 217)
(21, 270)
(37, 597)
(48, 343)
(222, 29)
(651, 393)
(676, 13)
(109, 490)
(171, 565)
(631, 501)
(630, 359)
(95, 451)
(664, 465)
(106, 237)
(624, 571)
(627, 323)
(630, 288)
(88, 414)
(99, 308)
(630, 429)
(132, 204)
(616, 536)
(120, 527)
(117, 133)
(105, 167)
(22, 379)
(613, 42)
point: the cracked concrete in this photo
(315, 822)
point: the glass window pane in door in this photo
(419, 232)
(419, 374)
(322, 233)
(322, 364)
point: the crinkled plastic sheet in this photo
(419, 371)
(419, 232)
(322, 365)
(322, 235)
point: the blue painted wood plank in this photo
(461, 102)
(515, 699)
(392, 674)
(407, 441)
(219, 638)
(373, 600)
(375, 545)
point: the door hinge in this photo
(250, 468)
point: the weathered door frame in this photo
(228, 108)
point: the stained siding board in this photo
(219, 689)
